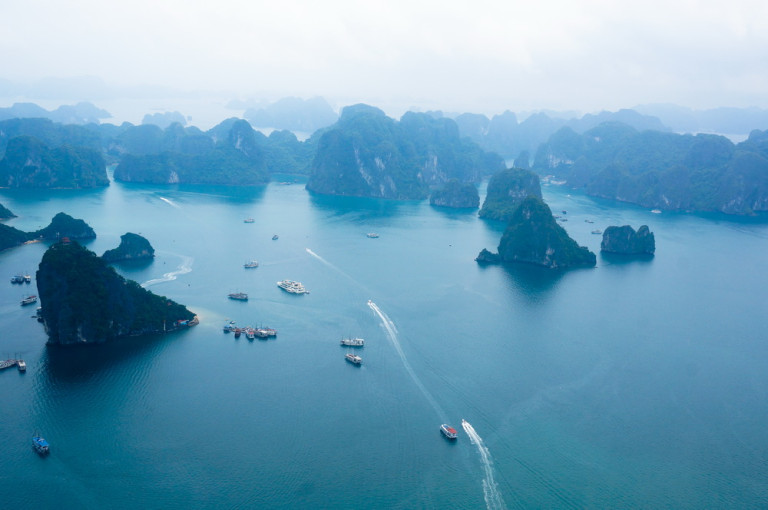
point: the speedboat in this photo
(448, 431)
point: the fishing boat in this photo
(40, 445)
(448, 431)
(292, 286)
(250, 333)
(352, 342)
(354, 359)
(251, 264)
(228, 328)
(248, 220)
(238, 296)
(29, 300)
(372, 235)
(19, 278)
(238, 331)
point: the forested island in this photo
(84, 301)
(658, 170)
(132, 247)
(369, 154)
(456, 195)
(626, 155)
(534, 237)
(62, 226)
(626, 241)
(507, 190)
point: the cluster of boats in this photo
(21, 278)
(249, 331)
(353, 342)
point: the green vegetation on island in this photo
(661, 170)
(63, 225)
(30, 163)
(455, 194)
(626, 241)
(534, 237)
(506, 191)
(84, 301)
(367, 153)
(5, 213)
(132, 247)
(10, 237)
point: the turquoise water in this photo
(638, 384)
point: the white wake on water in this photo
(491, 492)
(170, 202)
(184, 268)
(393, 338)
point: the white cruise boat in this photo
(292, 287)
(352, 342)
(251, 264)
(354, 359)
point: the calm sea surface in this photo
(635, 384)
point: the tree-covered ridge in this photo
(624, 240)
(506, 191)
(455, 194)
(5, 213)
(534, 237)
(30, 163)
(10, 237)
(661, 170)
(85, 301)
(132, 247)
(367, 153)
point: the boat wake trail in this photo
(493, 499)
(335, 268)
(389, 326)
(184, 268)
(170, 202)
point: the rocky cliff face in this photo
(5, 213)
(132, 247)
(534, 237)
(456, 195)
(507, 190)
(626, 241)
(85, 301)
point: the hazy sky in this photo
(482, 56)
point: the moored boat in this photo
(21, 365)
(353, 342)
(29, 300)
(292, 286)
(448, 431)
(238, 296)
(265, 332)
(19, 278)
(230, 327)
(354, 359)
(40, 445)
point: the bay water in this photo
(641, 383)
